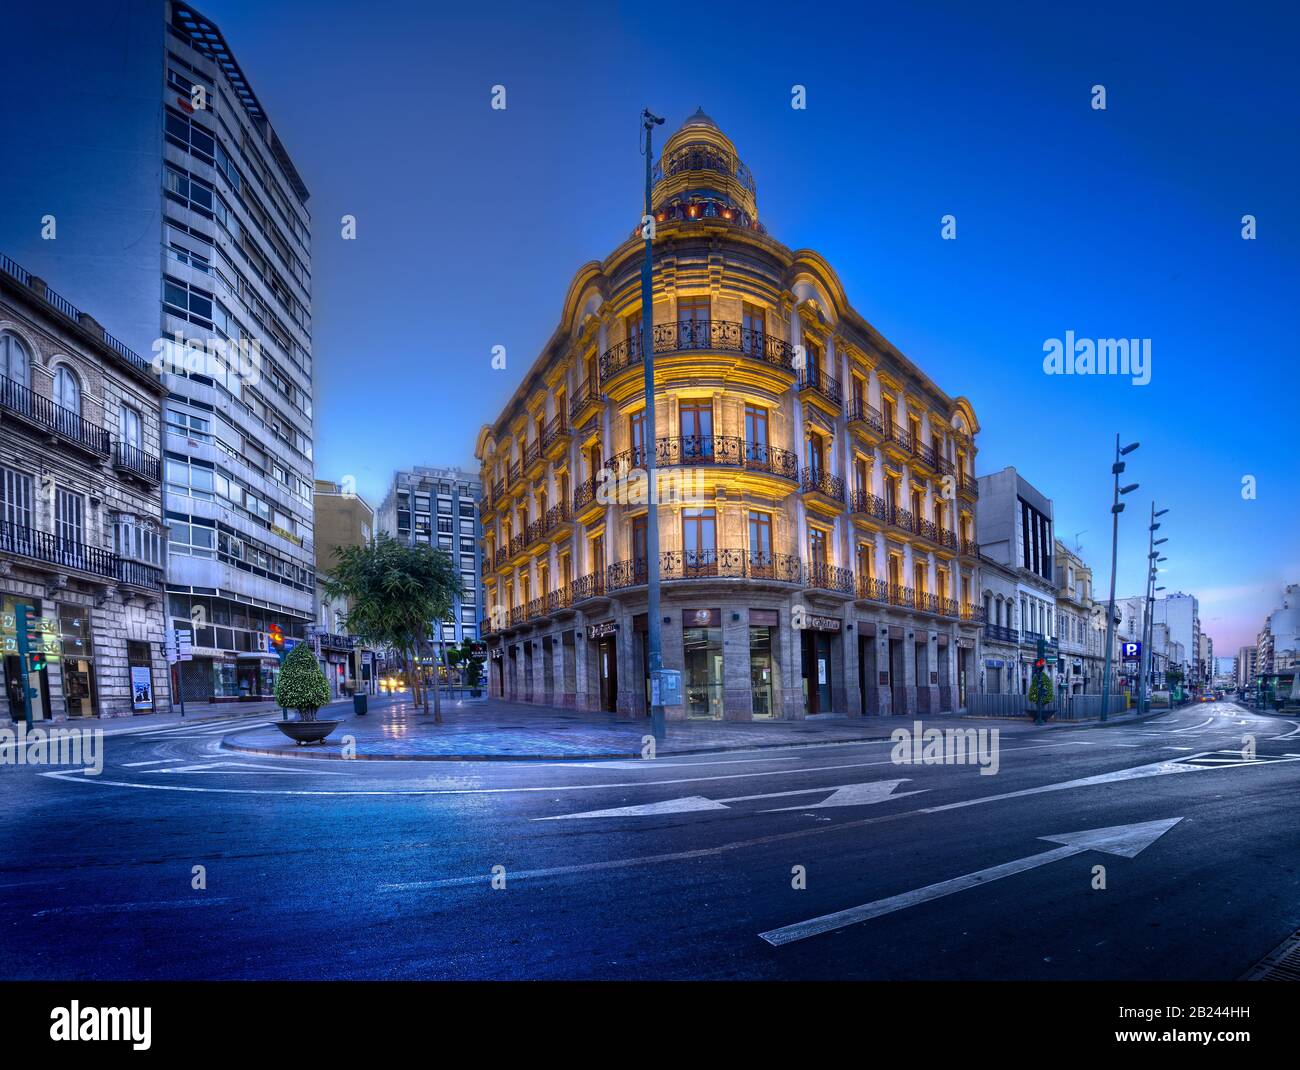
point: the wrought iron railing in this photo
(969, 486)
(728, 451)
(556, 429)
(873, 590)
(591, 585)
(1000, 633)
(589, 391)
(726, 563)
(136, 460)
(585, 493)
(820, 383)
(24, 402)
(719, 336)
(66, 553)
(863, 501)
(828, 577)
(823, 482)
(861, 412)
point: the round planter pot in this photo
(307, 731)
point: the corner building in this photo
(819, 556)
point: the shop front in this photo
(77, 662)
(820, 644)
(702, 663)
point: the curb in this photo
(304, 752)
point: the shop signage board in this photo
(601, 629)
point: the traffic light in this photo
(277, 636)
(36, 661)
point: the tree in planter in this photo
(395, 594)
(462, 658)
(1040, 694)
(302, 686)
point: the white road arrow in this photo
(1124, 840)
(841, 795)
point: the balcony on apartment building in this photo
(706, 336)
(41, 414)
(725, 451)
(56, 553)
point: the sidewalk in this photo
(504, 731)
(195, 713)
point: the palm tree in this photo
(395, 593)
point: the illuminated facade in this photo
(817, 491)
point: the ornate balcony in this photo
(41, 413)
(677, 565)
(819, 482)
(867, 504)
(727, 451)
(586, 502)
(866, 420)
(827, 577)
(870, 590)
(534, 459)
(712, 336)
(559, 599)
(586, 402)
(60, 553)
(556, 436)
(589, 586)
(967, 487)
(821, 387)
(901, 596)
(969, 548)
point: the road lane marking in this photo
(156, 761)
(866, 794)
(1127, 841)
(123, 908)
(1193, 728)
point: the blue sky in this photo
(471, 222)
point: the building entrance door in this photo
(607, 669)
(816, 672)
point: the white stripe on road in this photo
(124, 908)
(1193, 728)
(156, 761)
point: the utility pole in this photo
(654, 633)
(1116, 508)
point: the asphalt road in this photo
(333, 869)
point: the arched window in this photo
(13, 358)
(67, 389)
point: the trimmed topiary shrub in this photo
(302, 686)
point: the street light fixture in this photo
(1116, 508)
(654, 639)
(1147, 657)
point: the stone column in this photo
(737, 691)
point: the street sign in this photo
(178, 645)
(1131, 651)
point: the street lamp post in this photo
(1116, 508)
(1148, 626)
(654, 637)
